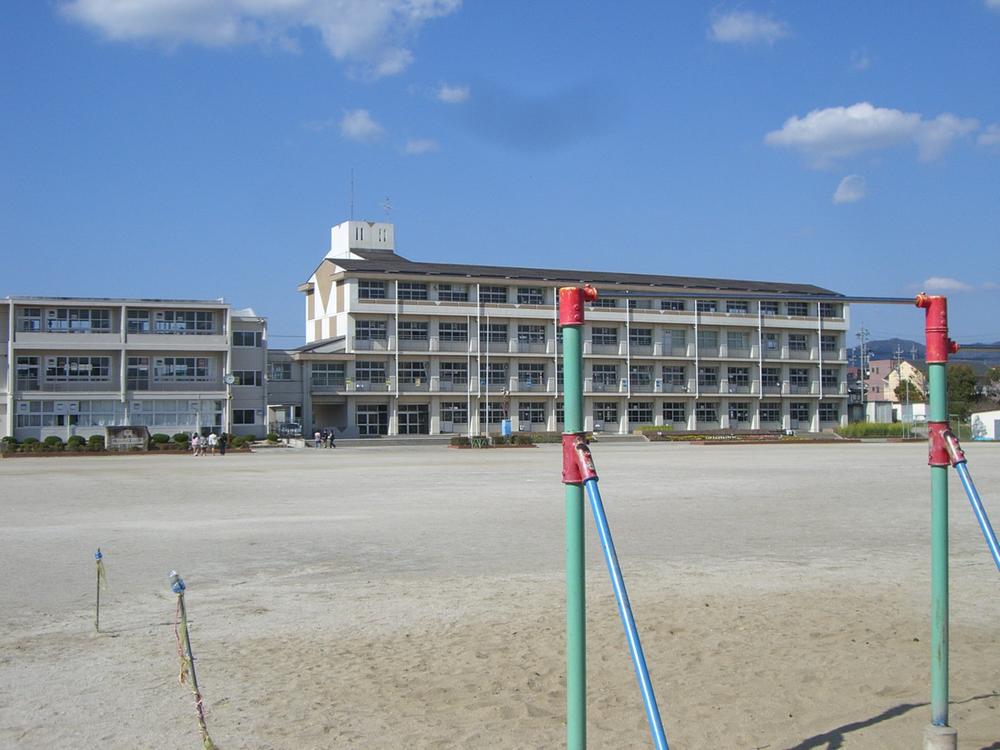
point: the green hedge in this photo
(873, 430)
(95, 443)
(181, 437)
(271, 437)
(460, 441)
(159, 437)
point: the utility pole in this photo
(863, 334)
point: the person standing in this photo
(196, 444)
(223, 442)
(213, 440)
(329, 439)
(316, 439)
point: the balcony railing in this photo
(185, 386)
(454, 385)
(739, 352)
(417, 384)
(371, 344)
(67, 386)
(641, 349)
(414, 345)
(453, 346)
(604, 348)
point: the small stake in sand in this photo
(102, 580)
(187, 657)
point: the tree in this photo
(991, 385)
(961, 389)
(907, 391)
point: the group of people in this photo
(201, 446)
(323, 439)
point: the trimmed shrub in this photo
(182, 438)
(76, 443)
(240, 440)
(460, 441)
(873, 430)
(8, 444)
(29, 441)
(159, 437)
(53, 443)
(521, 439)
(95, 443)
(35, 447)
(272, 437)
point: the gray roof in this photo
(390, 263)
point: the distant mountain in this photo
(886, 349)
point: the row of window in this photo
(674, 339)
(99, 413)
(139, 370)
(371, 289)
(638, 412)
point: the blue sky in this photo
(197, 148)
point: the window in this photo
(674, 411)
(640, 376)
(771, 343)
(494, 332)
(31, 319)
(640, 412)
(495, 295)
(456, 373)
(829, 377)
(604, 336)
(707, 305)
(532, 412)
(453, 331)
(530, 295)
(181, 369)
(737, 306)
(137, 321)
(531, 374)
(829, 412)
(370, 330)
(672, 304)
(244, 416)
(798, 342)
(739, 377)
(248, 377)
(560, 412)
(770, 411)
(137, 373)
(640, 336)
(247, 339)
(191, 322)
(85, 413)
(708, 340)
(675, 341)
(799, 411)
(495, 374)
(770, 377)
(372, 419)
(369, 372)
(368, 289)
(706, 411)
(675, 375)
(413, 373)
(79, 320)
(830, 310)
(605, 377)
(77, 369)
(456, 412)
(413, 330)
(280, 371)
(739, 411)
(491, 413)
(531, 334)
(604, 302)
(27, 370)
(605, 411)
(828, 342)
(798, 377)
(559, 374)
(453, 293)
(768, 307)
(408, 290)
(738, 341)
(797, 308)
(180, 413)
(708, 376)
(329, 374)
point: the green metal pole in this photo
(576, 607)
(939, 557)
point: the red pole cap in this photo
(939, 346)
(571, 300)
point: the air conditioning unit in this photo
(658, 385)
(158, 315)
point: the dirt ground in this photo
(396, 597)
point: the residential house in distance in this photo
(73, 365)
(395, 346)
(885, 375)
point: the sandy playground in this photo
(413, 598)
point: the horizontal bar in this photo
(980, 347)
(911, 301)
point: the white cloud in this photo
(746, 27)
(993, 4)
(945, 284)
(851, 189)
(452, 94)
(358, 125)
(361, 32)
(825, 135)
(418, 146)
(860, 59)
(991, 134)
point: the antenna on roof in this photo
(386, 206)
(352, 194)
